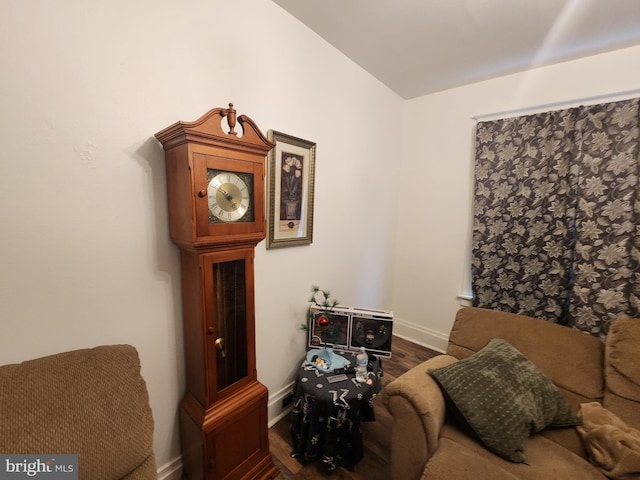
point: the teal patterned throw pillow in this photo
(503, 398)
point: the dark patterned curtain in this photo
(557, 215)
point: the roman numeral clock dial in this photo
(229, 196)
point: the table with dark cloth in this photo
(325, 421)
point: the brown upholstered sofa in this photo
(90, 402)
(427, 443)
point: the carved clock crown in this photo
(207, 130)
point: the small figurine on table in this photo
(319, 362)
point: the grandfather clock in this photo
(215, 187)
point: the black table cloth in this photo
(326, 417)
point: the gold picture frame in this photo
(290, 187)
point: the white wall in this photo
(85, 256)
(433, 235)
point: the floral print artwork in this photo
(291, 199)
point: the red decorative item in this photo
(322, 321)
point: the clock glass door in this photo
(231, 316)
(229, 306)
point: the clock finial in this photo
(231, 119)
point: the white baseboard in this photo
(171, 470)
(421, 335)
(276, 411)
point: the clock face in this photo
(230, 196)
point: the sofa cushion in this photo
(622, 370)
(90, 402)
(460, 457)
(547, 345)
(503, 398)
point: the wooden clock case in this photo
(223, 415)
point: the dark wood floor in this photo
(376, 435)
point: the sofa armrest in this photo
(418, 409)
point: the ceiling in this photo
(417, 47)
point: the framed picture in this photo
(290, 185)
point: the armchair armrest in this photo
(418, 409)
